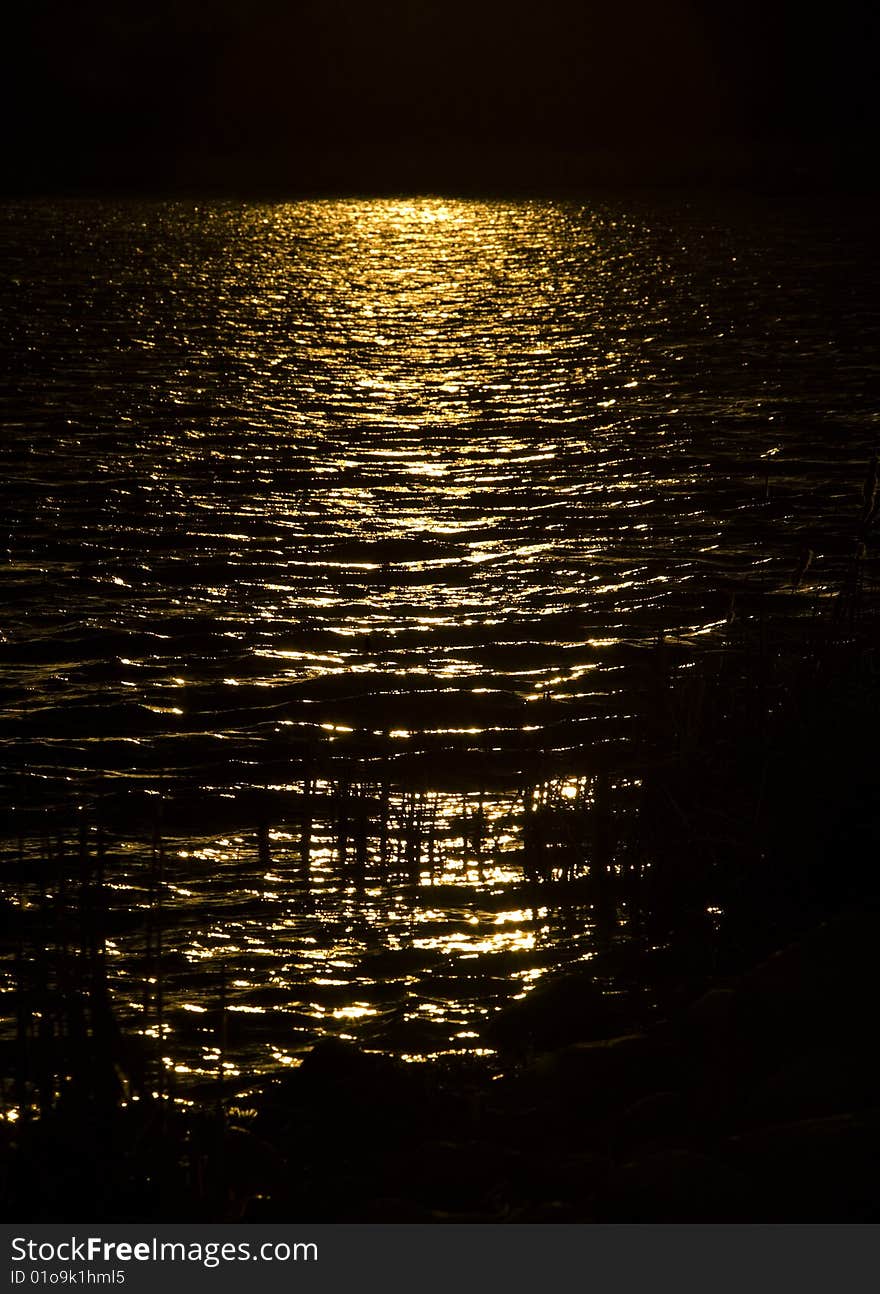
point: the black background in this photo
(295, 95)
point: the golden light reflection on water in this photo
(399, 486)
(414, 953)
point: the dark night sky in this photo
(293, 95)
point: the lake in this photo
(371, 512)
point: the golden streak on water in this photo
(428, 512)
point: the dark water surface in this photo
(408, 486)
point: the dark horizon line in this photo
(761, 186)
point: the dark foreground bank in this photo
(753, 1099)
